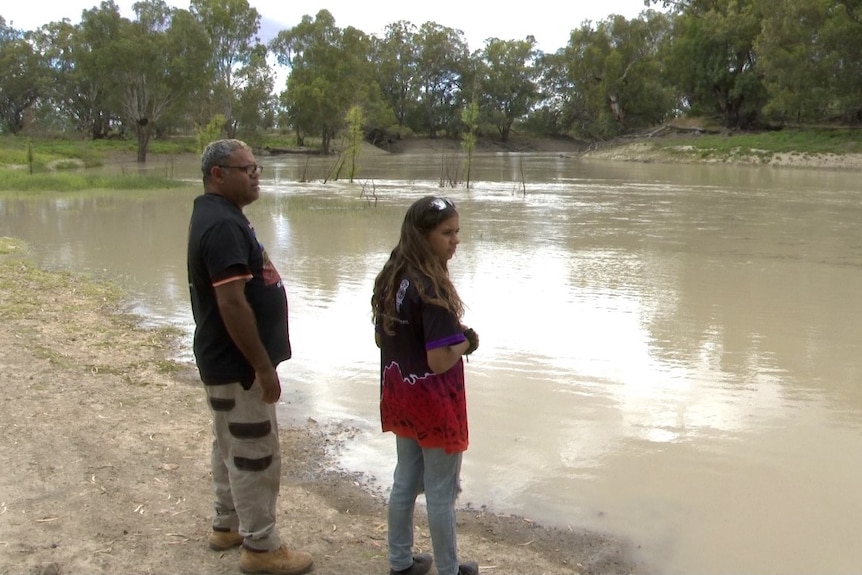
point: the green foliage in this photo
(57, 152)
(175, 145)
(611, 78)
(507, 80)
(158, 59)
(168, 71)
(232, 27)
(397, 69)
(35, 154)
(712, 60)
(255, 105)
(209, 133)
(443, 62)
(331, 71)
(811, 61)
(23, 80)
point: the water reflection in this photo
(668, 353)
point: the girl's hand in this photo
(472, 339)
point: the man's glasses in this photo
(249, 169)
(441, 204)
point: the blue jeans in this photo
(438, 474)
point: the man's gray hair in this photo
(217, 152)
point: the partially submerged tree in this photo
(470, 118)
(354, 140)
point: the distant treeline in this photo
(746, 63)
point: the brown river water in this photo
(669, 353)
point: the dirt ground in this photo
(106, 447)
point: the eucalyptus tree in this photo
(256, 104)
(160, 58)
(613, 70)
(508, 88)
(443, 57)
(397, 58)
(638, 94)
(560, 104)
(311, 51)
(810, 56)
(712, 59)
(330, 71)
(58, 45)
(232, 26)
(22, 77)
(843, 35)
(7, 32)
(81, 66)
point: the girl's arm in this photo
(441, 359)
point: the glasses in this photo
(441, 204)
(249, 169)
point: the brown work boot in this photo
(282, 561)
(224, 540)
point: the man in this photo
(241, 334)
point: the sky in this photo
(549, 21)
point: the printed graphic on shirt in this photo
(410, 378)
(270, 274)
(430, 408)
(402, 290)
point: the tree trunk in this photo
(616, 109)
(230, 128)
(325, 141)
(142, 129)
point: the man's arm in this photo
(239, 320)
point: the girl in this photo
(417, 316)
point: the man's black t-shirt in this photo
(223, 246)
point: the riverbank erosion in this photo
(106, 460)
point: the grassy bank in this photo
(811, 141)
(51, 164)
(63, 153)
(763, 146)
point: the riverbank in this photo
(671, 148)
(107, 447)
(691, 141)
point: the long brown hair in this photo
(412, 257)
